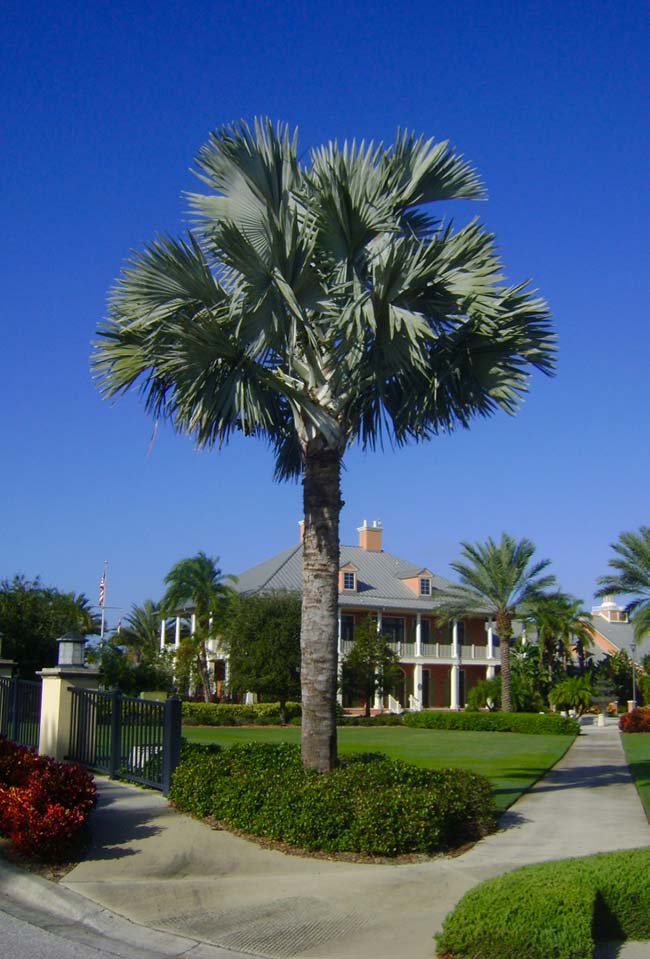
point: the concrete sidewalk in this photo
(177, 876)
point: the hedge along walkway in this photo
(175, 874)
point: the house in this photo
(611, 630)
(439, 663)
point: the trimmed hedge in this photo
(233, 714)
(368, 804)
(44, 804)
(532, 723)
(636, 721)
(382, 719)
(555, 909)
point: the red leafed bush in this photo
(636, 721)
(43, 803)
(17, 763)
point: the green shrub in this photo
(573, 692)
(233, 714)
(554, 909)
(368, 803)
(485, 693)
(382, 719)
(644, 688)
(533, 723)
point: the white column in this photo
(418, 636)
(379, 697)
(489, 628)
(454, 679)
(417, 685)
(454, 640)
(490, 672)
(339, 642)
(524, 637)
(163, 630)
(177, 634)
(193, 624)
(339, 687)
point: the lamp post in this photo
(633, 650)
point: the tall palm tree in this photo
(500, 579)
(631, 577)
(198, 583)
(315, 305)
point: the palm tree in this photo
(632, 577)
(560, 621)
(79, 611)
(316, 305)
(197, 582)
(140, 632)
(499, 579)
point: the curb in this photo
(70, 915)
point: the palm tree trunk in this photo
(318, 634)
(504, 631)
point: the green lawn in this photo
(511, 761)
(637, 752)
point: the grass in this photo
(637, 753)
(512, 762)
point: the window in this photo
(425, 586)
(349, 580)
(393, 628)
(347, 629)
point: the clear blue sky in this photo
(104, 106)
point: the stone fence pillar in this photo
(56, 702)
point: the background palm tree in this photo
(316, 305)
(560, 622)
(197, 585)
(631, 577)
(140, 632)
(499, 579)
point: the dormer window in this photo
(425, 586)
(349, 580)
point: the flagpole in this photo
(102, 599)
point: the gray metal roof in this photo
(620, 634)
(380, 578)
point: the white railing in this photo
(415, 704)
(394, 705)
(406, 649)
(436, 651)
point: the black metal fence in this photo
(127, 738)
(20, 710)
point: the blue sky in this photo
(104, 106)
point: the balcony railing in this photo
(436, 651)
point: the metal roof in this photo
(620, 635)
(380, 578)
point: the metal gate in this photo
(128, 738)
(20, 710)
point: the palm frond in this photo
(322, 302)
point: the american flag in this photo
(102, 589)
